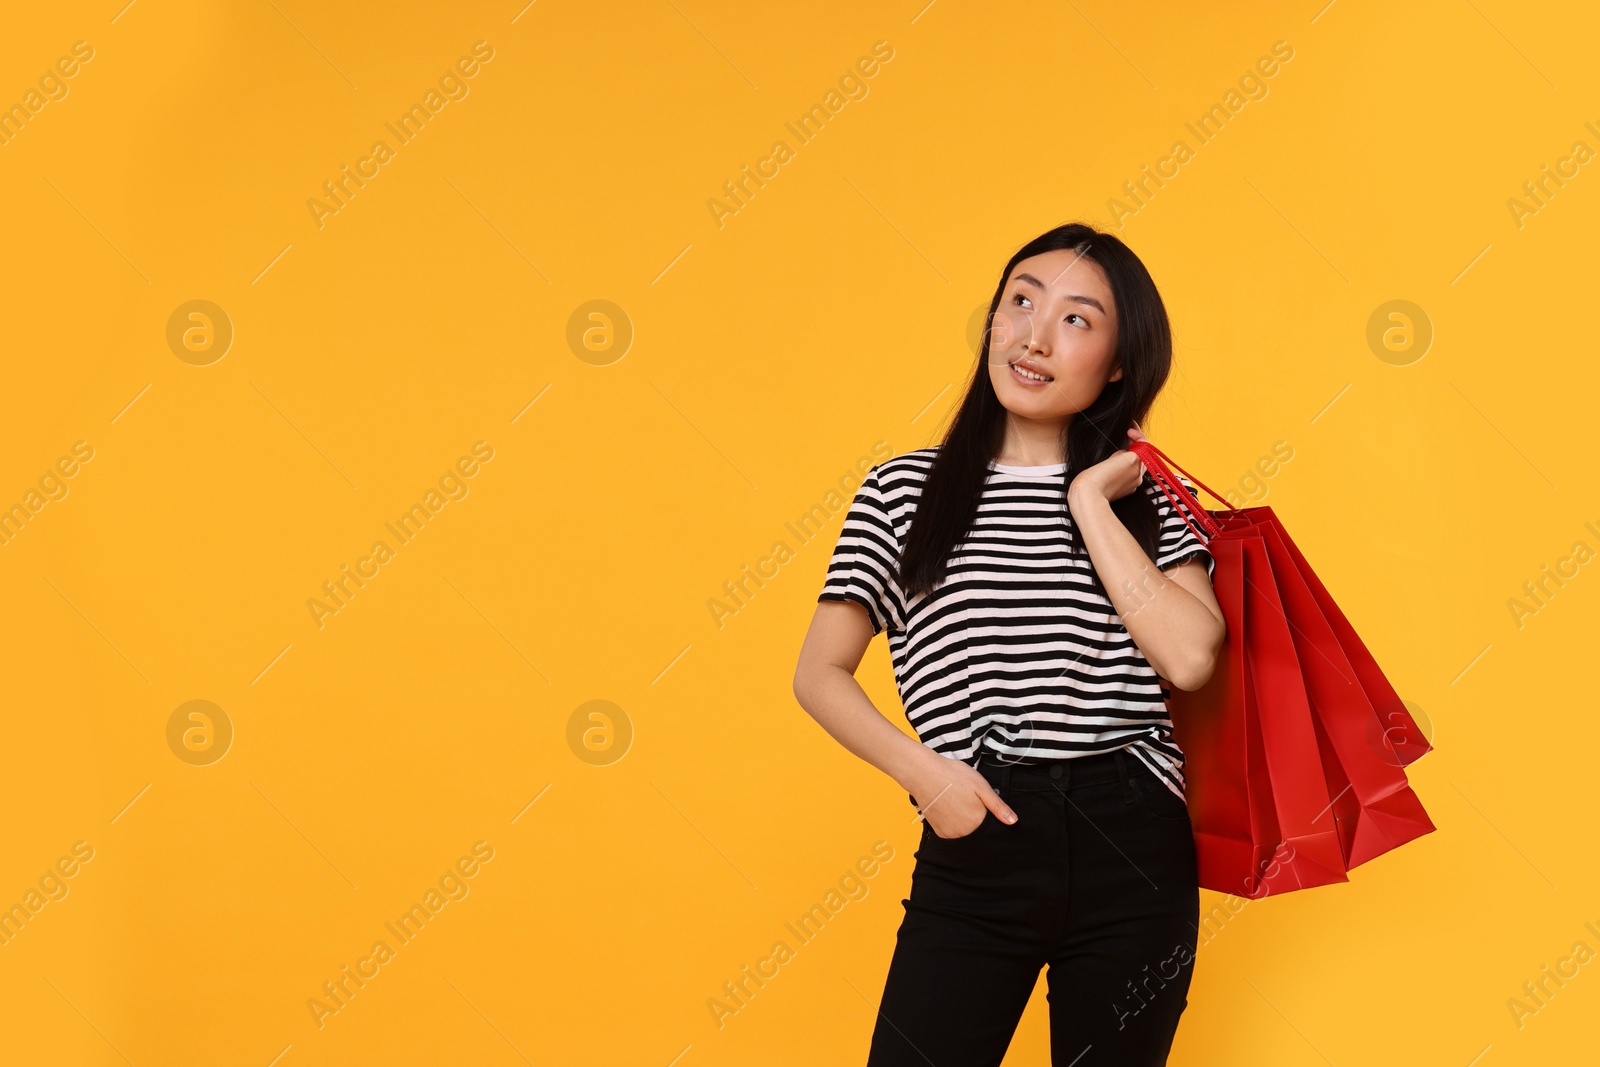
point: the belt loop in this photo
(1005, 780)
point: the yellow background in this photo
(769, 356)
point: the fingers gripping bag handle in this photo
(1156, 462)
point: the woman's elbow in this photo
(1198, 668)
(807, 674)
(1194, 676)
(802, 676)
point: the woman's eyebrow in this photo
(1077, 298)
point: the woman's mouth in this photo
(1026, 376)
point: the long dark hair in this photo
(949, 497)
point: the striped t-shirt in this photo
(1014, 650)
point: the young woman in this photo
(1040, 594)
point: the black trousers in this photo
(1096, 881)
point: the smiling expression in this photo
(1054, 338)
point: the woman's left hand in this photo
(1113, 477)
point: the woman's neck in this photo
(1032, 446)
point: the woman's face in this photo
(1056, 319)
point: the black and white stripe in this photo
(1014, 650)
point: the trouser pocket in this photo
(1155, 796)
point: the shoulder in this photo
(893, 488)
(1159, 495)
(908, 470)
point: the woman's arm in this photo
(825, 685)
(1172, 615)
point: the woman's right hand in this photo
(953, 795)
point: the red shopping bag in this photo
(1295, 749)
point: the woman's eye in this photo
(1075, 315)
(1020, 299)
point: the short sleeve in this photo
(862, 565)
(1178, 543)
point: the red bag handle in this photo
(1175, 492)
(1155, 462)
